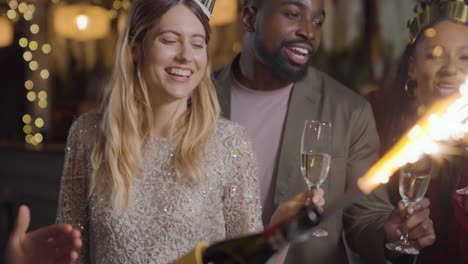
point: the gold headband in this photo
(451, 9)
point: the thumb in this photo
(22, 221)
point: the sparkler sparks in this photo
(447, 120)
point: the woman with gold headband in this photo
(434, 65)
(157, 170)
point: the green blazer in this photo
(354, 149)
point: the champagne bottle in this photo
(258, 248)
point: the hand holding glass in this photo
(414, 180)
(315, 157)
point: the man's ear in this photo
(248, 16)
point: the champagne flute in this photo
(315, 157)
(414, 180)
(463, 191)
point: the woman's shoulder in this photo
(85, 127)
(231, 135)
(227, 128)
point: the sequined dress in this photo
(165, 219)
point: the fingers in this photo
(423, 234)
(67, 251)
(64, 244)
(317, 198)
(52, 233)
(426, 241)
(416, 219)
(67, 259)
(68, 241)
(22, 221)
(419, 206)
(393, 224)
(416, 214)
(401, 210)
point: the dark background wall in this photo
(32, 178)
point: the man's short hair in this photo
(255, 3)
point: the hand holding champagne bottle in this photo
(289, 224)
(259, 248)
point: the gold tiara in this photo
(431, 12)
(207, 6)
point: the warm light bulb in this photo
(82, 22)
(42, 95)
(31, 96)
(33, 65)
(33, 45)
(42, 104)
(23, 42)
(27, 129)
(27, 56)
(22, 7)
(27, 119)
(38, 137)
(39, 123)
(11, 14)
(28, 15)
(13, 4)
(29, 84)
(34, 28)
(44, 74)
(46, 48)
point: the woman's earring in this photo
(410, 86)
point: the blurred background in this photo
(56, 56)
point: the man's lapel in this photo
(304, 104)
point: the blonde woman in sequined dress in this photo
(157, 170)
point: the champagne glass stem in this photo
(313, 188)
(317, 232)
(404, 238)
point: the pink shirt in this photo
(263, 114)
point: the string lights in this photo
(36, 94)
(35, 55)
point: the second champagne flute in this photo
(463, 191)
(414, 180)
(315, 157)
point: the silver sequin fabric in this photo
(165, 219)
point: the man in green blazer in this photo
(271, 89)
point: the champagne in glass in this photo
(414, 180)
(315, 167)
(413, 187)
(315, 157)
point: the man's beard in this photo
(280, 64)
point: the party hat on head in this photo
(431, 11)
(207, 6)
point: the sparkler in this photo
(446, 120)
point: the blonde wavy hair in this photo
(127, 116)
